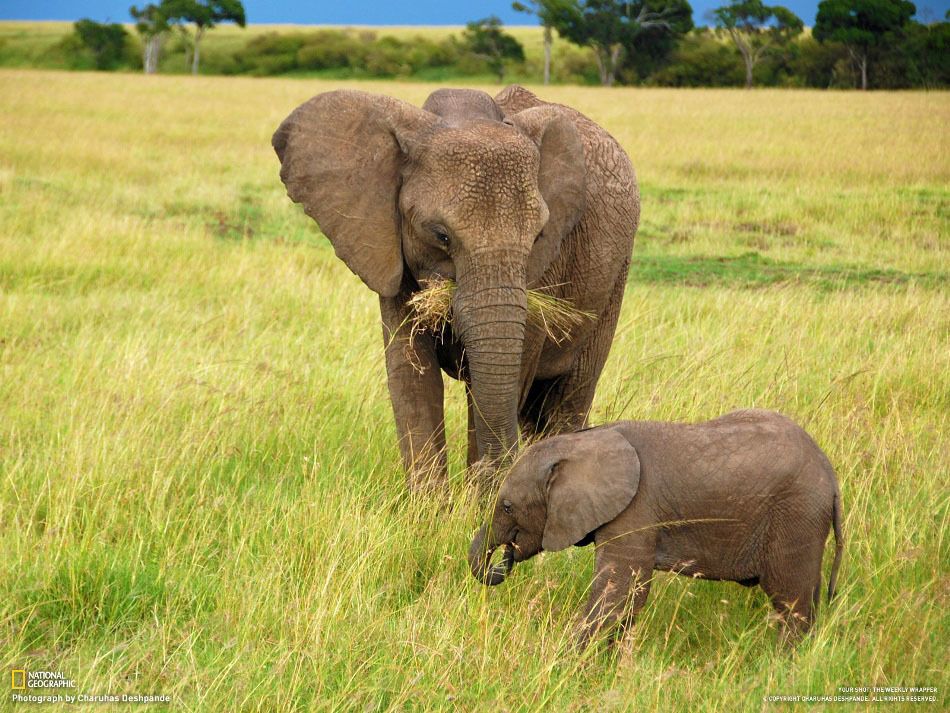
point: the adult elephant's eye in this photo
(442, 237)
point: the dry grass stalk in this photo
(432, 308)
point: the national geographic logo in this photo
(54, 687)
(21, 679)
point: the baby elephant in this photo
(748, 497)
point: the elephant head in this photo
(407, 194)
(557, 494)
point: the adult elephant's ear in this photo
(562, 178)
(593, 485)
(340, 156)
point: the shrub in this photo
(388, 58)
(814, 64)
(570, 64)
(95, 45)
(701, 60)
(270, 53)
(332, 49)
(362, 53)
(486, 40)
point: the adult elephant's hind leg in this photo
(416, 391)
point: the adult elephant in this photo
(499, 195)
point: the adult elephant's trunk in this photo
(479, 558)
(489, 313)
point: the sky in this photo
(370, 12)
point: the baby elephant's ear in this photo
(590, 487)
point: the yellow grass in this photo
(432, 308)
(201, 494)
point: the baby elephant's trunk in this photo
(479, 559)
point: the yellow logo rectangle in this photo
(13, 681)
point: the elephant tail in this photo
(839, 545)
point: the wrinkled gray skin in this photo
(748, 497)
(500, 195)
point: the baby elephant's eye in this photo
(507, 506)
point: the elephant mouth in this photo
(495, 574)
(483, 548)
(480, 560)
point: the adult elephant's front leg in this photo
(416, 392)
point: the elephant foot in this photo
(793, 627)
(430, 482)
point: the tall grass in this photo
(201, 493)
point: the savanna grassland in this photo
(201, 493)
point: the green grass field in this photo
(201, 494)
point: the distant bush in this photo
(390, 57)
(271, 53)
(812, 64)
(701, 60)
(573, 65)
(95, 45)
(362, 53)
(332, 49)
(497, 49)
(106, 42)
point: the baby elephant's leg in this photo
(623, 572)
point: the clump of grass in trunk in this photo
(432, 309)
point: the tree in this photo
(540, 8)
(928, 49)
(204, 14)
(485, 39)
(611, 27)
(152, 23)
(757, 28)
(105, 41)
(654, 48)
(862, 26)
(699, 60)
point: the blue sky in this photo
(368, 12)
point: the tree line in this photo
(854, 43)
